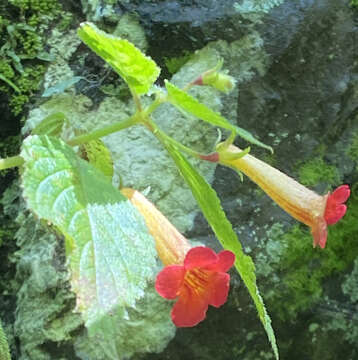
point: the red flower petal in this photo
(341, 194)
(226, 260)
(200, 256)
(220, 284)
(335, 209)
(169, 281)
(319, 232)
(334, 216)
(190, 309)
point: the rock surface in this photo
(297, 73)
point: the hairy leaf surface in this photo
(111, 254)
(184, 101)
(137, 70)
(210, 205)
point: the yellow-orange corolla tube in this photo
(171, 245)
(300, 202)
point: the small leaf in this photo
(184, 101)
(10, 83)
(137, 70)
(61, 86)
(110, 252)
(250, 138)
(97, 153)
(214, 214)
(45, 56)
(50, 125)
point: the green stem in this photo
(133, 120)
(164, 138)
(136, 100)
(147, 111)
(11, 162)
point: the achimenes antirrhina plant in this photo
(101, 223)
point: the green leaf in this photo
(45, 56)
(50, 125)
(214, 214)
(184, 101)
(97, 153)
(110, 252)
(137, 70)
(10, 83)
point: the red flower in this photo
(201, 281)
(335, 209)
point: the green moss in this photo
(24, 26)
(175, 63)
(352, 150)
(4, 347)
(66, 21)
(317, 170)
(6, 69)
(44, 303)
(129, 28)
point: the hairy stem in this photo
(164, 138)
(11, 162)
(133, 120)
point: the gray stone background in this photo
(296, 64)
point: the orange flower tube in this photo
(197, 277)
(303, 204)
(171, 245)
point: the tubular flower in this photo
(170, 244)
(197, 276)
(303, 204)
(201, 281)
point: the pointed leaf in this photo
(184, 101)
(110, 252)
(137, 70)
(50, 125)
(214, 214)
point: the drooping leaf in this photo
(50, 125)
(210, 205)
(110, 252)
(184, 101)
(99, 156)
(137, 70)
